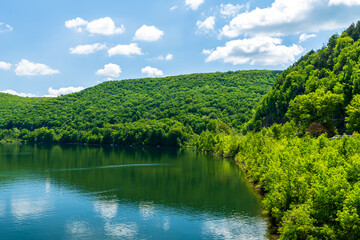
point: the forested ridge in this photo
(152, 111)
(320, 92)
(310, 180)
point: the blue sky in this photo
(56, 47)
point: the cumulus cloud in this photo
(303, 37)
(87, 49)
(344, 2)
(207, 25)
(292, 17)
(5, 65)
(148, 34)
(173, 8)
(257, 50)
(127, 50)
(5, 27)
(230, 10)
(76, 24)
(103, 26)
(12, 92)
(51, 92)
(151, 71)
(168, 57)
(194, 4)
(27, 68)
(63, 91)
(109, 70)
(207, 51)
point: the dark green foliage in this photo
(335, 69)
(165, 111)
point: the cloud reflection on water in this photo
(25, 208)
(121, 230)
(147, 210)
(234, 228)
(107, 208)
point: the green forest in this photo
(320, 92)
(294, 133)
(309, 176)
(154, 111)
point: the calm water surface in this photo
(82, 192)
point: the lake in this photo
(89, 192)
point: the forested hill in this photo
(320, 92)
(150, 111)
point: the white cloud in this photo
(168, 57)
(76, 23)
(110, 70)
(5, 27)
(207, 25)
(148, 34)
(344, 2)
(173, 8)
(207, 51)
(303, 37)
(230, 10)
(63, 91)
(104, 26)
(27, 68)
(51, 92)
(151, 71)
(291, 17)
(127, 50)
(257, 50)
(12, 92)
(5, 65)
(87, 49)
(194, 4)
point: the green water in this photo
(82, 192)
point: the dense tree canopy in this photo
(151, 111)
(335, 69)
(310, 185)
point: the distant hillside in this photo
(165, 110)
(320, 92)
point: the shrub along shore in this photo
(310, 186)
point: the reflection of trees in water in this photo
(187, 179)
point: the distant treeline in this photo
(158, 111)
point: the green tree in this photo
(353, 112)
